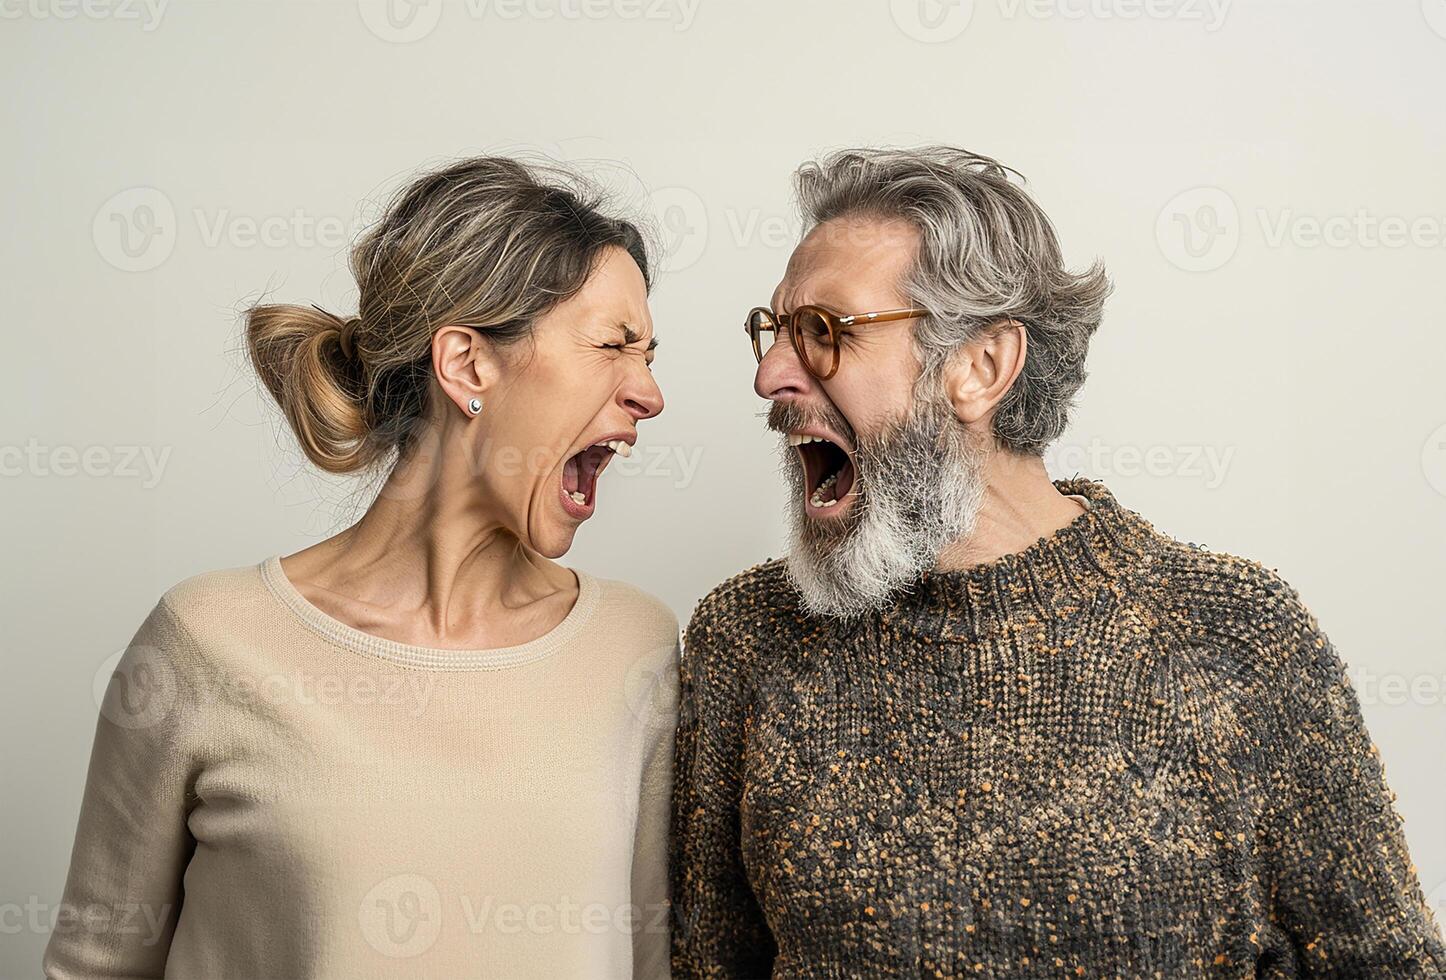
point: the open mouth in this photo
(828, 474)
(580, 473)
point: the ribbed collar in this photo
(1106, 543)
(432, 658)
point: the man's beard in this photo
(920, 488)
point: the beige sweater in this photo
(274, 794)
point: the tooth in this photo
(795, 439)
(579, 497)
(622, 449)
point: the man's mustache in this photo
(786, 417)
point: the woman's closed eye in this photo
(647, 352)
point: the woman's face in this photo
(568, 400)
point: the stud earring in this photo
(475, 406)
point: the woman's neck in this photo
(432, 560)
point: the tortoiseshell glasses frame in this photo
(815, 331)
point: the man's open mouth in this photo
(580, 473)
(828, 474)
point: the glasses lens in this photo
(815, 340)
(762, 329)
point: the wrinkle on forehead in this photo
(849, 265)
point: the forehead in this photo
(849, 264)
(614, 294)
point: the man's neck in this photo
(1020, 506)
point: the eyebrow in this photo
(631, 336)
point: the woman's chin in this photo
(559, 545)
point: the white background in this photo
(1263, 180)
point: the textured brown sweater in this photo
(1112, 754)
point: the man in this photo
(979, 723)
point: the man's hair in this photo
(987, 253)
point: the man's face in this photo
(849, 265)
(881, 469)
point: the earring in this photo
(475, 406)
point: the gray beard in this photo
(920, 490)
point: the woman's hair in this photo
(987, 253)
(488, 243)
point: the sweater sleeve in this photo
(718, 928)
(1342, 886)
(123, 891)
(650, 845)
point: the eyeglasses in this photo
(815, 332)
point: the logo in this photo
(1435, 13)
(402, 916)
(932, 21)
(400, 21)
(1199, 230)
(683, 222)
(1433, 465)
(135, 688)
(135, 231)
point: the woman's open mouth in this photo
(828, 475)
(580, 473)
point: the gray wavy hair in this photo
(987, 253)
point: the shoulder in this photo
(741, 620)
(1241, 617)
(760, 596)
(635, 612)
(214, 602)
(165, 670)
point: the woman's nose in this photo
(643, 399)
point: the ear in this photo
(465, 365)
(979, 374)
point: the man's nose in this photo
(781, 375)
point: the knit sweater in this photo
(274, 794)
(1111, 754)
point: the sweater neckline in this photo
(1099, 546)
(434, 658)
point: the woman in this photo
(421, 747)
